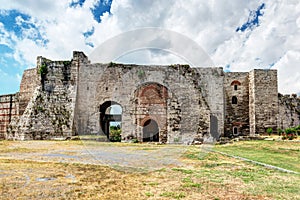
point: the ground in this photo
(93, 170)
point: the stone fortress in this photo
(168, 104)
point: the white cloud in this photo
(212, 24)
(289, 72)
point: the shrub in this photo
(280, 131)
(290, 130)
(269, 131)
(134, 140)
(43, 70)
(290, 134)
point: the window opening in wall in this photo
(235, 87)
(235, 131)
(234, 100)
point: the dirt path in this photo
(121, 156)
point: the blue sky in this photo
(237, 35)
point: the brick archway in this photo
(151, 107)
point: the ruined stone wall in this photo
(9, 109)
(187, 111)
(187, 103)
(28, 84)
(289, 111)
(236, 85)
(50, 110)
(263, 101)
(211, 81)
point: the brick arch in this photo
(152, 93)
(151, 101)
(235, 82)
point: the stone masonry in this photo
(168, 104)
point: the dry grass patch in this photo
(202, 175)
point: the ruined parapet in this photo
(28, 84)
(263, 101)
(50, 110)
(289, 111)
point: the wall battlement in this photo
(169, 104)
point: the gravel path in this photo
(127, 157)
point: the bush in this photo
(269, 131)
(280, 131)
(290, 130)
(134, 140)
(290, 133)
(43, 70)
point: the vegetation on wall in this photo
(43, 70)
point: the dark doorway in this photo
(214, 127)
(110, 120)
(150, 131)
(235, 131)
(234, 100)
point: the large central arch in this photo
(151, 111)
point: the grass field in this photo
(201, 175)
(282, 154)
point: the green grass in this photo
(278, 153)
(174, 195)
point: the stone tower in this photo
(263, 101)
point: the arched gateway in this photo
(110, 116)
(151, 108)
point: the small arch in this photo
(235, 82)
(150, 131)
(234, 100)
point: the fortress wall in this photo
(27, 87)
(49, 110)
(289, 111)
(66, 100)
(211, 81)
(8, 110)
(99, 83)
(236, 84)
(263, 104)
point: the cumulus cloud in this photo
(267, 40)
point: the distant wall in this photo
(8, 110)
(289, 111)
